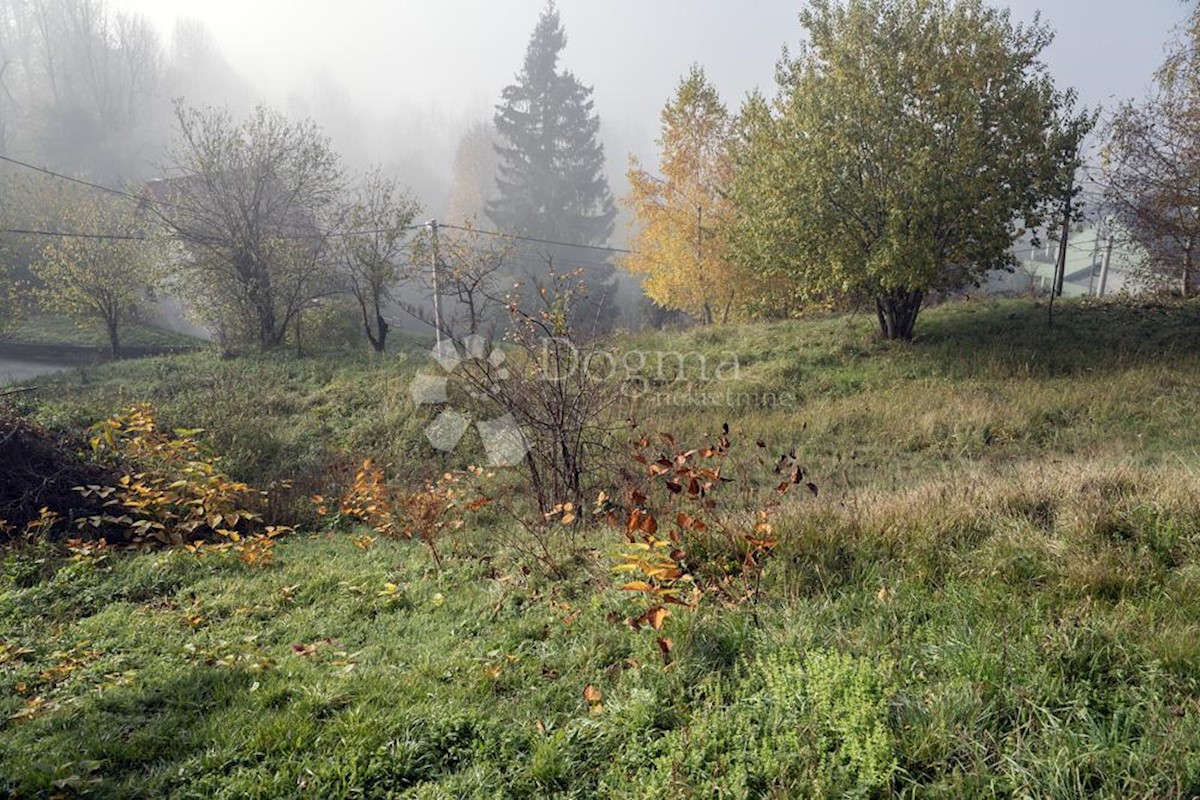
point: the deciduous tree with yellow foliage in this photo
(98, 279)
(679, 217)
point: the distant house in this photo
(1085, 256)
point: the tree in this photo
(550, 182)
(910, 142)
(1153, 167)
(473, 267)
(80, 86)
(680, 216)
(371, 251)
(100, 279)
(10, 253)
(551, 179)
(474, 182)
(254, 204)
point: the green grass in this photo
(45, 329)
(996, 592)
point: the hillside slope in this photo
(994, 592)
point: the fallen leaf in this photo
(653, 618)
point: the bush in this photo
(812, 724)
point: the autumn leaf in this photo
(652, 618)
(593, 695)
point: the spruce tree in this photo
(550, 181)
(551, 178)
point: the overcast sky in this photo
(458, 54)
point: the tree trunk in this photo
(1188, 284)
(114, 339)
(377, 342)
(380, 341)
(897, 312)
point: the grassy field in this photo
(996, 592)
(44, 329)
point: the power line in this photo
(144, 199)
(81, 182)
(71, 234)
(535, 239)
(74, 235)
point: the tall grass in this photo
(996, 592)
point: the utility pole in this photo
(1108, 248)
(1060, 270)
(437, 284)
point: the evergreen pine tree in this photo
(550, 181)
(551, 178)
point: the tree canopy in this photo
(370, 252)
(680, 217)
(100, 280)
(1153, 167)
(909, 143)
(551, 180)
(253, 202)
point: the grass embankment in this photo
(50, 331)
(996, 591)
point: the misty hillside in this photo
(539, 399)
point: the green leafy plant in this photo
(709, 547)
(811, 724)
(171, 492)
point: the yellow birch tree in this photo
(678, 218)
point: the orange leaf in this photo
(592, 694)
(653, 618)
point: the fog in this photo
(400, 82)
(86, 86)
